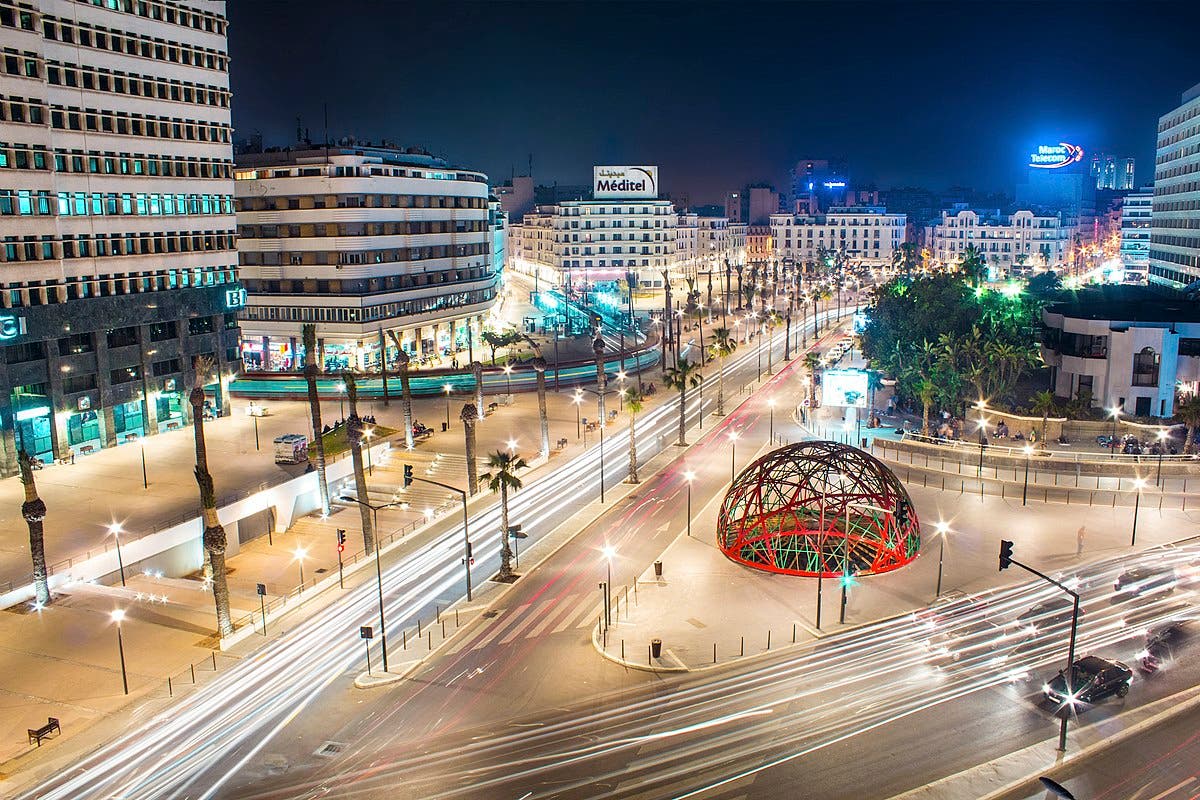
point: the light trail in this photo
(178, 753)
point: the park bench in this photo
(37, 734)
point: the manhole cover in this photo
(322, 571)
(330, 749)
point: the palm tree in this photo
(811, 362)
(1044, 404)
(309, 332)
(973, 265)
(469, 417)
(926, 390)
(723, 346)
(214, 533)
(354, 435)
(634, 402)
(601, 382)
(686, 375)
(1189, 412)
(477, 371)
(666, 326)
(503, 478)
(771, 322)
(383, 376)
(539, 366)
(34, 511)
(402, 363)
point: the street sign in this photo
(262, 589)
(366, 632)
(805, 402)
(515, 532)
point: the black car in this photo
(1093, 680)
(1050, 612)
(1140, 581)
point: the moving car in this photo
(954, 643)
(1140, 581)
(1093, 679)
(1051, 612)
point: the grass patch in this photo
(336, 442)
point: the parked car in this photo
(1139, 581)
(1093, 679)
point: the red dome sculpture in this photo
(819, 508)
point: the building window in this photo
(1145, 368)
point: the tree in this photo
(34, 512)
(214, 533)
(477, 372)
(770, 323)
(1044, 404)
(683, 377)
(539, 366)
(1188, 412)
(973, 265)
(811, 362)
(926, 391)
(494, 341)
(354, 435)
(723, 346)
(601, 382)
(634, 402)
(402, 363)
(311, 370)
(503, 478)
(469, 417)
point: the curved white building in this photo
(366, 242)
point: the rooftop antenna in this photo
(326, 109)
(299, 130)
(531, 165)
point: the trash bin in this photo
(658, 569)
(864, 443)
(656, 648)
(445, 427)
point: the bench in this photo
(37, 734)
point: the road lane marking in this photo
(1173, 789)
(484, 641)
(583, 607)
(530, 617)
(562, 606)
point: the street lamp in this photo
(341, 387)
(982, 424)
(1162, 445)
(689, 476)
(771, 405)
(1115, 411)
(368, 433)
(942, 529)
(118, 615)
(445, 388)
(733, 436)
(379, 569)
(608, 551)
(508, 379)
(298, 555)
(1138, 485)
(1025, 488)
(116, 531)
(577, 400)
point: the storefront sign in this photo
(625, 182)
(1054, 156)
(235, 298)
(11, 326)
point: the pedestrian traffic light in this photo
(1006, 552)
(341, 539)
(408, 475)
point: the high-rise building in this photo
(1112, 173)
(818, 185)
(1175, 214)
(1057, 182)
(376, 245)
(1135, 231)
(120, 265)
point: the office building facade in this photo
(1135, 232)
(867, 234)
(1175, 212)
(373, 244)
(120, 265)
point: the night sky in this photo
(718, 95)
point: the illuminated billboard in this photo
(1054, 156)
(844, 387)
(618, 183)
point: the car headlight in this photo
(1045, 688)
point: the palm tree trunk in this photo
(314, 411)
(405, 391)
(354, 434)
(34, 511)
(682, 409)
(505, 553)
(472, 467)
(383, 367)
(1189, 445)
(542, 416)
(214, 545)
(477, 368)
(721, 389)
(633, 476)
(1045, 422)
(925, 418)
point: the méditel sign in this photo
(618, 183)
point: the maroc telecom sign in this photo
(625, 182)
(1054, 156)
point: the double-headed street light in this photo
(378, 569)
(116, 530)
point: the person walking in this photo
(1079, 536)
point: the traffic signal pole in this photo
(462, 493)
(1006, 560)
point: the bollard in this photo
(192, 667)
(714, 652)
(656, 648)
(170, 689)
(456, 618)
(419, 627)
(443, 629)
(622, 649)
(658, 570)
(768, 639)
(214, 658)
(742, 651)
(430, 634)
(648, 656)
(793, 633)
(437, 612)
(404, 633)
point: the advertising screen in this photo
(844, 387)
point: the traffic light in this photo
(408, 475)
(1006, 552)
(341, 539)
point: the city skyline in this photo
(712, 83)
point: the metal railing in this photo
(969, 446)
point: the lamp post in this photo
(255, 418)
(577, 400)
(732, 455)
(508, 379)
(1162, 445)
(847, 579)
(341, 387)
(1138, 485)
(608, 551)
(942, 529)
(982, 424)
(368, 433)
(116, 530)
(445, 388)
(689, 476)
(1115, 412)
(118, 615)
(771, 406)
(1025, 488)
(298, 555)
(379, 569)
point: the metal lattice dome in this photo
(819, 508)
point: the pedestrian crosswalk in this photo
(532, 620)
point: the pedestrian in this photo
(1079, 535)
